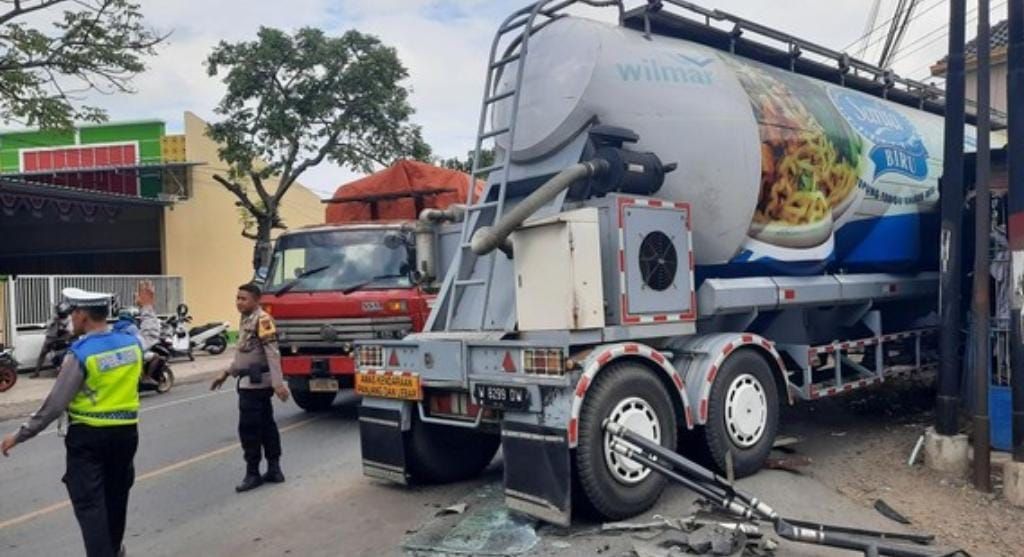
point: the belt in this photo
(118, 415)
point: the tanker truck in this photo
(685, 229)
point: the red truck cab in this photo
(331, 285)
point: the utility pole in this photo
(982, 226)
(951, 202)
(1015, 92)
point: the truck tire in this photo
(614, 488)
(443, 454)
(314, 402)
(743, 413)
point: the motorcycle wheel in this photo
(8, 376)
(216, 345)
(166, 381)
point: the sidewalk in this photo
(28, 394)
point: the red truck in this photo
(368, 273)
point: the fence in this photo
(6, 324)
(30, 299)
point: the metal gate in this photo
(32, 297)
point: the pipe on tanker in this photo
(487, 239)
(1015, 156)
(453, 213)
(982, 232)
(951, 201)
(425, 232)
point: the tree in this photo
(46, 70)
(295, 101)
(466, 165)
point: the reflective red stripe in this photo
(573, 427)
(678, 381)
(582, 387)
(711, 374)
(604, 357)
(631, 349)
(657, 357)
(704, 410)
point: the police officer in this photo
(257, 366)
(98, 387)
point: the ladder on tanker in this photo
(490, 207)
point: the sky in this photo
(444, 45)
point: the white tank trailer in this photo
(785, 174)
(675, 239)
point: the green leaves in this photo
(296, 100)
(45, 69)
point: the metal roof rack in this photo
(734, 34)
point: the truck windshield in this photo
(340, 260)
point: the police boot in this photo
(274, 474)
(252, 480)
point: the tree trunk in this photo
(262, 249)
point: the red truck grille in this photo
(299, 334)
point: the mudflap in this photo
(538, 471)
(382, 426)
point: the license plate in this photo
(323, 385)
(405, 387)
(500, 396)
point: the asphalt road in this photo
(188, 463)
(184, 503)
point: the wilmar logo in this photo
(669, 68)
(898, 148)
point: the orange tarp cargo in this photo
(398, 193)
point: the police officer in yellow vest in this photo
(98, 387)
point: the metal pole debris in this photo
(952, 200)
(980, 299)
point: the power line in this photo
(945, 34)
(887, 22)
(898, 30)
(869, 27)
(919, 15)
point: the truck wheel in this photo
(314, 402)
(614, 487)
(445, 454)
(743, 413)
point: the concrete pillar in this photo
(1013, 482)
(946, 453)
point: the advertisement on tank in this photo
(836, 165)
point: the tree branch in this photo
(19, 11)
(239, 193)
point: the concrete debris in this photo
(706, 540)
(453, 509)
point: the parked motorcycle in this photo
(212, 338)
(156, 373)
(8, 368)
(176, 334)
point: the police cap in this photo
(78, 298)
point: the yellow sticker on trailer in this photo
(404, 386)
